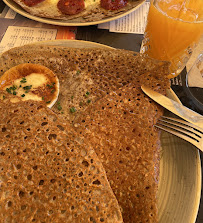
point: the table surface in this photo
(133, 42)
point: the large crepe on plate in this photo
(47, 173)
(100, 95)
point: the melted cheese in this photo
(87, 2)
(91, 2)
(37, 86)
(34, 79)
(49, 7)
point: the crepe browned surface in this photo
(121, 129)
(86, 75)
(111, 112)
(91, 14)
(47, 173)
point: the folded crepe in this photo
(100, 96)
(47, 173)
(121, 129)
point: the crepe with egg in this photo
(86, 75)
(31, 82)
(100, 96)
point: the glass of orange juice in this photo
(173, 29)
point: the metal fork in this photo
(182, 129)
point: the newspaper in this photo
(134, 22)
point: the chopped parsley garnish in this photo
(87, 94)
(12, 89)
(42, 98)
(73, 109)
(59, 106)
(23, 80)
(23, 95)
(72, 97)
(52, 91)
(51, 85)
(8, 90)
(48, 102)
(4, 97)
(88, 101)
(27, 88)
(78, 72)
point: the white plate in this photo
(72, 22)
(180, 167)
(180, 179)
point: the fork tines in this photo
(182, 129)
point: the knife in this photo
(175, 107)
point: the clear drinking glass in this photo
(194, 82)
(174, 28)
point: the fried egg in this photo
(31, 82)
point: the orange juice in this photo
(173, 28)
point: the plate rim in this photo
(14, 6)
(46, 42)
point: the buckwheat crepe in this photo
(86, 75)
(100, 96)
(121, 129)
(47, 173)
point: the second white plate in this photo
(72, 22)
